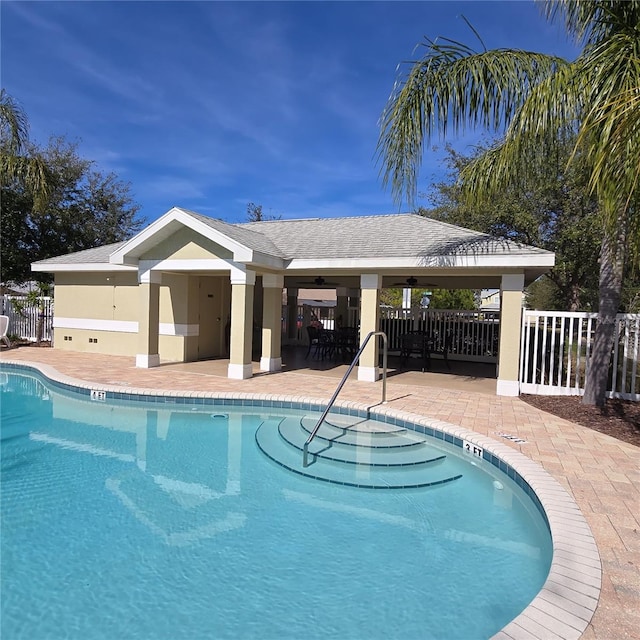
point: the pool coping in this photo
(563, 607)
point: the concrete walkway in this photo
(601, 473)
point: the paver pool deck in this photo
(600, 473)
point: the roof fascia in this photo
(545, 260)
(81, 266)
(266, 260)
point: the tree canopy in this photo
(556, 213)
(437, 298)
(83, 208)
(537, 100)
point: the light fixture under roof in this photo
(411, 282)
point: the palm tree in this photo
(537, 99)
(17, 163)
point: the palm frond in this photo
(14, 126)
(30, 171)
(592, 21)
(452, 87)
(611, 69)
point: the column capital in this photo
(370, 281)
(272, 281)
(239, 274)
(149, 277)
(512, 282)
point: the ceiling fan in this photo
(320, 282)
(412, 282)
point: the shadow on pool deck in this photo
(475, 377)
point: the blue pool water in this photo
(133, 520)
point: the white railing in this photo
(555, 351)
(24, 325)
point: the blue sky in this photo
(212, 105)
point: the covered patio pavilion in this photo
(189, 286)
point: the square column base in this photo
(507, 388)
(270, 364)
(368, 374)
(240, 371)
(146, 361)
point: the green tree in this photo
(391, 297)
(84, 209)
(394, 297)
(557, 213)
(438, 298)
(538, 99)
(18, 164)
(543, 295)
(452, 299)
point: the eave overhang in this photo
(511, 261)
(81, 267)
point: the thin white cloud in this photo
(200, 103)
(28, 14)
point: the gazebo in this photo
(187, 287)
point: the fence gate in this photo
(555, 352)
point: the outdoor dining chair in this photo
(313, 334)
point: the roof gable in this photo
(186, 244)
(244, 245)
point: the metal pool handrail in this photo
(305, 448)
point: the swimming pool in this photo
(165, 519)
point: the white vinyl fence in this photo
(24, 325)
(556, 347)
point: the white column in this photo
(241, 341)
(148, 319)
(511, 288)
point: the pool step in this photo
(354, 451)
(359, 448)
(361, 432)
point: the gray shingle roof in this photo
(88, 256)
(381, 236)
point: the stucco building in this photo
(190, 287)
